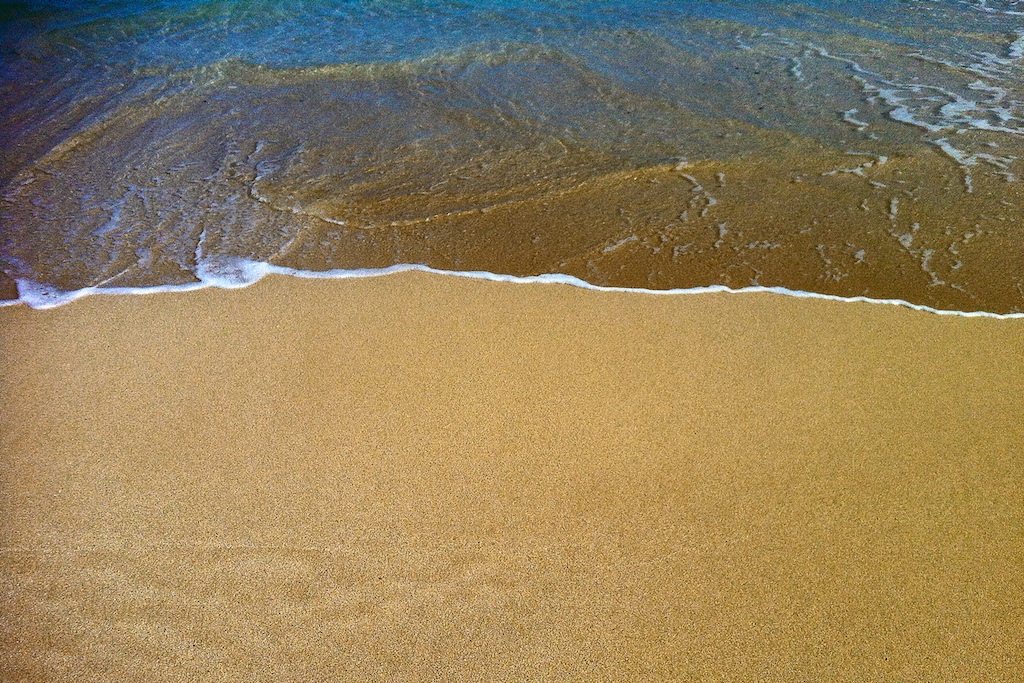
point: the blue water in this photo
(293, 33)
(145, 139)
(335, 27)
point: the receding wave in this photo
(809, 148)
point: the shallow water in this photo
(867, 149)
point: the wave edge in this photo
(243, 273)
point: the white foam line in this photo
(245, 273)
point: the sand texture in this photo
(423, 478)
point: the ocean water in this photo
(839, 147)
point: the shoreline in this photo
(419, 477)
(246, 273)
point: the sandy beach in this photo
(423, 478)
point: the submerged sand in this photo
(419, 477)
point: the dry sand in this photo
(419, 477)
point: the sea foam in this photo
(240, 273)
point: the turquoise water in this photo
(147, 142)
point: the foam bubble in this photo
(230, 272)
(41, 296)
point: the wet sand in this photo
(795, 216)
(418, 477)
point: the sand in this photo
(418, 477)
